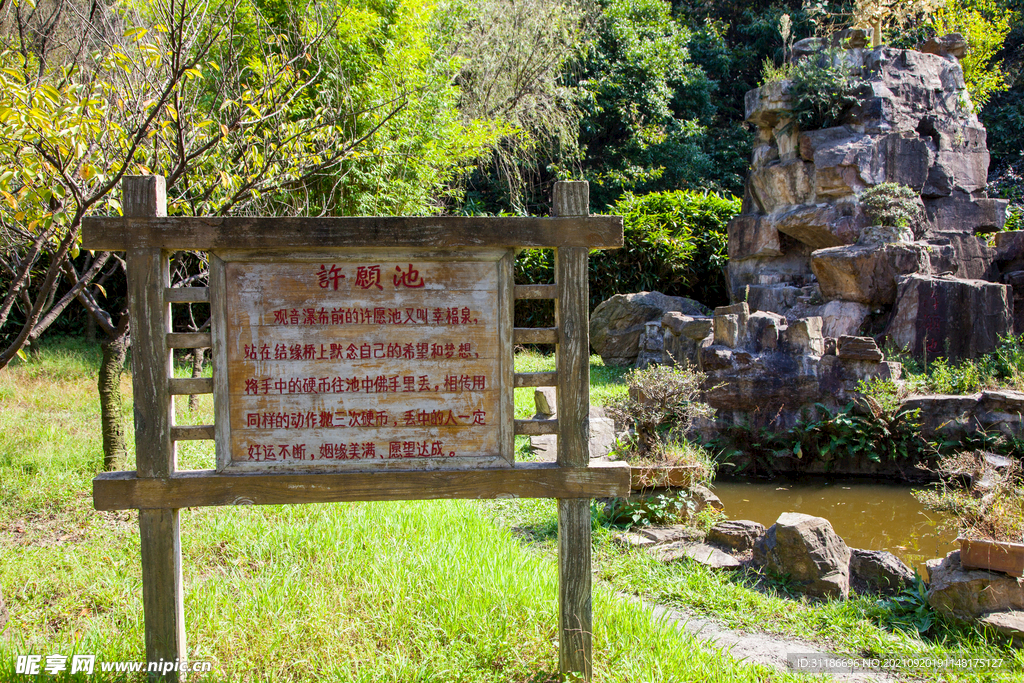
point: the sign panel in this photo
(364, 361)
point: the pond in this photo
(867, 514)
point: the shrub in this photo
(996, 514)
(661, 408)
(823, 89)
(674, 242)
(892, 204)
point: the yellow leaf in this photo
(22, 355)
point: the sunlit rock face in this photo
(803, 246)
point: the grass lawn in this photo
(417, 591)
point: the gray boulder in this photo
(867, 274)
(738, 534)
(698, 552)
(949, 316)
(683, 336)
(970, 593)
(809, 551)
(617, 324)
(1009, 623)
(879, 571)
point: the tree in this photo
(240, 117)
(985, 25)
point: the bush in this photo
(674, 242)
(892, 204)
(661, 408)
(823, 89)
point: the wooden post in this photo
(573, 398)
(148, 278)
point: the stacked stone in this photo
(803, 246)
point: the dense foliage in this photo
(674, 242)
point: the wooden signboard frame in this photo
(159, 490)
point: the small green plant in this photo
(648, 510)
(662, 405)
(993, 510)
(892, 204)
(910, 609)
(823, 89)
(773, 74)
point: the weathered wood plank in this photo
(219, 352)
(536, 291)
(575, 620)
(162, 592)
(244, 232)
(189, 340)
(125, 491)
(536, 379)
(155, 452)
(506, 364)
(536, 427)
(193, 295)
(315, 347)
(186, 386)
(192, 432)
(535, 335)
(575, 612)
(148, 279)
(573, 357)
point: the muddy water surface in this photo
(871, 515)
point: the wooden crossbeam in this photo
(192, 432)
(189, 340)
(535, 335)
(125, 491)
(536, 292)
(192, 295)
(536, 427)
(260, 232)
(536, 379)
(185, 386)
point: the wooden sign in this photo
(343, 360)
(355, 359)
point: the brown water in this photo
(869, 515)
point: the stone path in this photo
(756, 648)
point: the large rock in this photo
(704, 554)
(617, 324)
(949, 316)
(970, 593)
(956, 416)
(683, 336)
(752, 236)
(1010, 623)
(909, 126)
(866, 274)
(738, 534)
(843, 318)
(809, 551)
(822, 225)
(879, 571)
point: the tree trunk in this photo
(198, 357)
(111, 402)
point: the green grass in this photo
(863, 626)
(417, 591)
